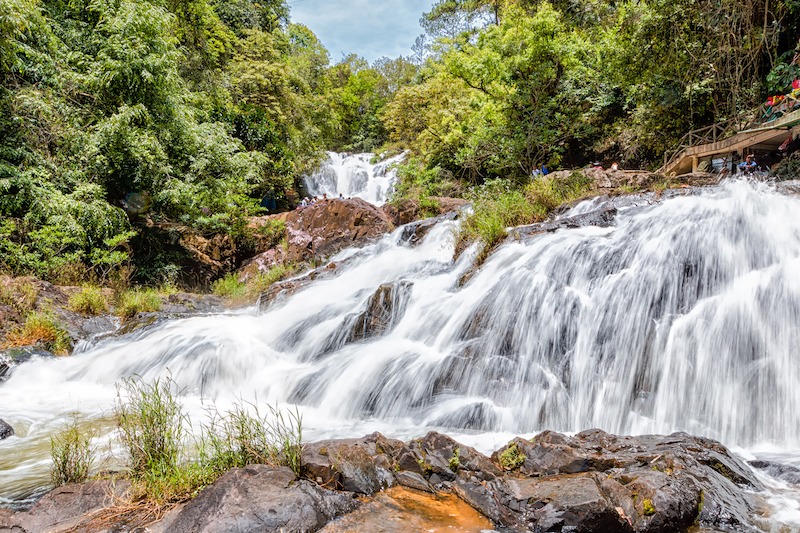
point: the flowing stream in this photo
(354, 176)
(681, 316)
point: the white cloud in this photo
(369, 28)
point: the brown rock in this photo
(262, 263)
(408, 211)
(328, 226)
(67, 508)
(258, 499)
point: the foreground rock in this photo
(591, 482)
(68, 508)
(259, 498)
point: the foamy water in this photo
(681, 317)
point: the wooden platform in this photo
(764, 137)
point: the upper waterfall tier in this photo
(354, 176)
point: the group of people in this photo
(539, 170)
(306, 201)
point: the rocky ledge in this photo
(591, 482)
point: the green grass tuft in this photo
(89, 301)
(72, 456)
(245, 436)
(230, 287)
(136, 301)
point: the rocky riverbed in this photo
(590, 482)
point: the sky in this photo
(369, 28)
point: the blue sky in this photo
(369, 28)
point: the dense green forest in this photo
(193, 110)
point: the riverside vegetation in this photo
(165, 468)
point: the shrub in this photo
(270, 233)
(419, 184)
(138, 301)
(41, 328)
(246, 436)
(72, 456)
(89, 301)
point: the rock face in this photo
(328, 226)
(600, 482)
(259, 498)
(5, 430)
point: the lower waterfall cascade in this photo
(681, 316)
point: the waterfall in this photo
(683, 315)
(354, 176)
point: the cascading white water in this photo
(354, 176)
(682, 316)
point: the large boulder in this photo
(260, 499)
(364, 465)
(328, 226)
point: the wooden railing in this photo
(717, 132)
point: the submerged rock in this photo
(5, 430)
(384, 309)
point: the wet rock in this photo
(398, 510)
(408, 211)
(68, 508)
(5, 430)
(787, 473)
(414, 232)
(326, 227)
(5, 367)
(364, 466)
(602, 217)
(259, 498)
(384, 309)
(414, 481)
